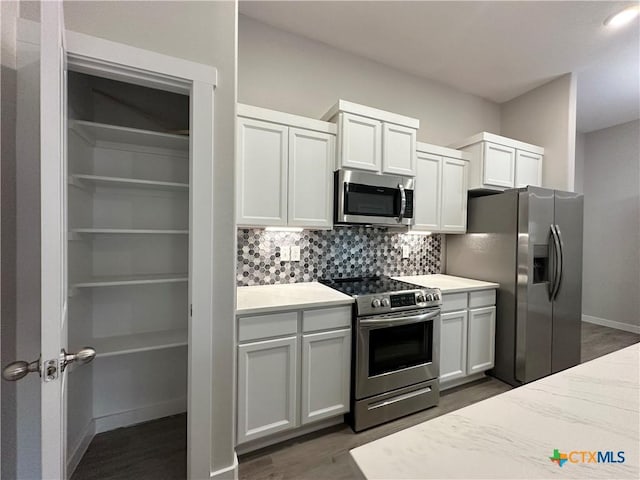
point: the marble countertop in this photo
(448, 283)
(591, 407)
(292, 296)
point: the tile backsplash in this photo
(341, 252)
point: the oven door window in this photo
(369, 200)
(404, 346)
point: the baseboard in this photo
(76, 453)
(227, 473)
(139, 415)
(461, 381)
(611, 323)
(259, 443)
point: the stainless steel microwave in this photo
(369, 198)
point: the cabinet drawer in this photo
(326, 318)
(265, 326)
(454, 301)
(483, 298)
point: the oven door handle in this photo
(400, 320)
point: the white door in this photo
(360, 142)
(326, 363)
(481, 339)
(261, 172)
(53, 244)
(453, 345)
(267, 387)
(310, 196)
(398, 150)
(454, 195)
(427, 192)
(498, 165)
(528, 169)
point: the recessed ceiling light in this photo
(625, 16)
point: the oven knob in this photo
(436, 296)
(375, 303)
(429, 297)
(420, 298)
(385, 302)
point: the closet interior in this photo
(128, 254)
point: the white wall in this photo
(611, 272)
(546, 116)
(290, 73)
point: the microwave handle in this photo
(403, 202)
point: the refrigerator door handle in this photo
(560, 261)
(553, 254)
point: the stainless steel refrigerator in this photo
(529, 240)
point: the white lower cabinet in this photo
(467, 336)
(267, 387)
(325, 374)
(453, 345)
(481, 339)
(293, 369)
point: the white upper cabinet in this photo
(499, 162)
(454, 195)
(440, 189)
(398, 150)
(499, 165)
(284, 170)
(428, 192)
(262, 153)
(360, 142)
(310, 178)
(374, 140)
(528, 169)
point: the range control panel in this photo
(386, 303)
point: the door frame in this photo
(92, 55)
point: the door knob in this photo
(20, 369)
(83, 356)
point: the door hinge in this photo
(191, 310)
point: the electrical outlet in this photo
(295, 253)
(405, 251)
(284, 254)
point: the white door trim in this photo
(122, 62)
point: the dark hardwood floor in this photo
(157, 449)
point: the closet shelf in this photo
(84, 180)
(102, 132)
(128, 231)
(114, 281)
(139, 342)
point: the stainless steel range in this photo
(395, 359)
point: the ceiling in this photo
(496, 50)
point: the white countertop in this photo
(291, 296)
(591, 407)
(448, 283)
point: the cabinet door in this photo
(326, 364)
(427, 192)
(398, 150)
(498, 165)
(261, 173)
(360, 142)
(481, 339)
(453, 345)
(267, 386)
(528, 169)
(311, 160)
(454, 195)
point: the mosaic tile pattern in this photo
(341, 252)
